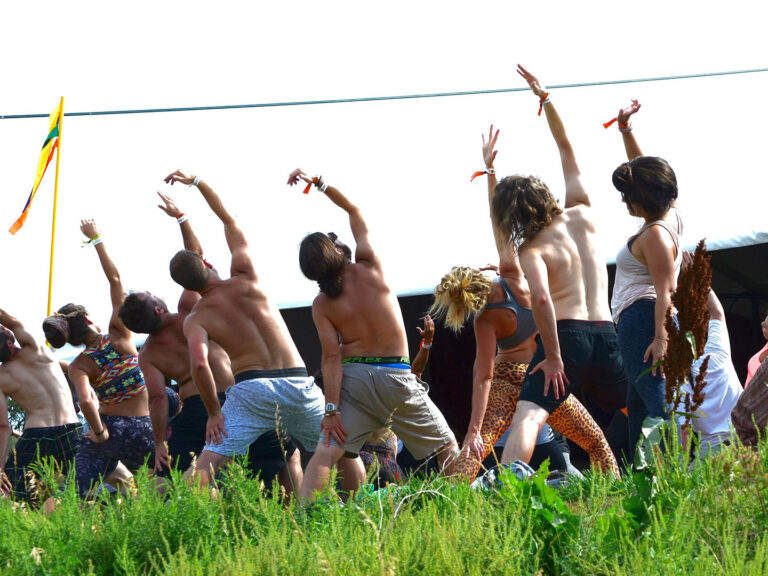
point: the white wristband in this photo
(96, 240)
(196, 181)
(490, 171)
(183, 218)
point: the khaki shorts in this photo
(376, 396)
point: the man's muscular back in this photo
(167, 350)
(35, 381)
(238, 316)
(366, 314)
(577, 275)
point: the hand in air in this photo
(297, 175)
(489, 152)
(428, 332)
(625, 113)
(214, 429)
(489, 267)
(473, 446)
(168, 206)
(179, 176)
(162, 459)
(533, 82)
(554, 375)
(333, 427)
(89, 228)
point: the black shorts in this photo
(590, 353)
(58, 442)
(265, 455)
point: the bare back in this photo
(35, 381)
(576, 271)
(238, 316)
(167, 350)
(366, 314)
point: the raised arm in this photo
(535, 270)
(574, 190)
(116, 291)
(238, 246)
(427, 334)
(23, 337)
(197, 340)
(191, 242)
(158, 410)
(630, 144)
(363, 249)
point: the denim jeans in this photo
(645, 395)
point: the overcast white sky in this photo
(406, 163)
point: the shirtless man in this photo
(366, 370)
(33, 378)
(165, 354)
(271, 381)
(568, 282)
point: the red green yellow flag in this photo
(46, 154)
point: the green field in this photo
(669, 519)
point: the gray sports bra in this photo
(526, 327)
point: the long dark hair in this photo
(648, 182)
(320, 261)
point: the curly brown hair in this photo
(461, 294)
(521, 207)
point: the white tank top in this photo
(633, 278)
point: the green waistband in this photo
(377, 360)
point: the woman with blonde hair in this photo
(505, 333)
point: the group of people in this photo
(543, 328)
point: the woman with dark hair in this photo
(505, 334)
(109, 383)
(646, 274)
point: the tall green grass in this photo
(709, 518)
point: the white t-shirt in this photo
(722, 388)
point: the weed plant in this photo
(673, 517)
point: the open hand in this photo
(428, 333)
(214, 429)
(89, 228)
(179, 176)
(655, 353)
(162, 459)
(297, 175)
(533, 82)
(489, 152)
(554, 375)
(168, 206)
(625, 113)
(333, 427)
(473, 446)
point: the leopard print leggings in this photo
(571, 419)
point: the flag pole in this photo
(55, 198)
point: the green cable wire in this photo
(382, 98)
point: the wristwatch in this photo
(330, 407)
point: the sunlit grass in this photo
(709, 519)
